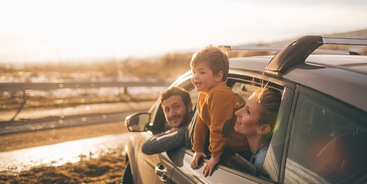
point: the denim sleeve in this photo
(259, 157)
(165, 142)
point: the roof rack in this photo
(252, 47)
(297, 52)
(270, 48)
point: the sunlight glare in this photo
(119, 29)
(59, 154)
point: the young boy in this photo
(216, 105)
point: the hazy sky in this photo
(52, 30)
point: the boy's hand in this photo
(196, 158)
(209, 167)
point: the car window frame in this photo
(158, 123)
(279, 143)
(234, 78)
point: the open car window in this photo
(244, 88)
(158, 121)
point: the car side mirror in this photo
(137, 122)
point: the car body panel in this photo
(340, 89)
(184, 174)
(142, 165)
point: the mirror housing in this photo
(137, 122)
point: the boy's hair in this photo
(185, 96)
(215, 57)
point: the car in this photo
(321, 132)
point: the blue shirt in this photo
(258, 158)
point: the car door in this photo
(154, 168)
(222, 174)
(328, 141)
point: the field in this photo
(107, 168)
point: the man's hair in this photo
(185, 96)
(215, 57)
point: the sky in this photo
(55, 30)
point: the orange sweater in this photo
(214, 108)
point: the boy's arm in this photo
(221, 109)
(200, 133)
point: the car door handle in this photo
(161, 171)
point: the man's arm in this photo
(165, 142)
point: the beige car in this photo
(321, 134)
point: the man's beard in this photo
(185, 119)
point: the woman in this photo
(256, 120)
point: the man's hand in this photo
(209, 167)
(196, 158)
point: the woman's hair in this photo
(185, 96)
(270, 101)
(215, 57)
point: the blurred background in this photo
(82, 31)
(63, 60)
(117, 41)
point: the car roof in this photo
(336, 76)
(353, 63)
(340, 76)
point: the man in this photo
(177, 107)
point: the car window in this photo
(328, 143)
(186, 84)
(157, 118)
(158, 121)
(273, 160)
(235, 162)
(245, 88)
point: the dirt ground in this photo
(107, 168)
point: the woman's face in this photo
(248, 117)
